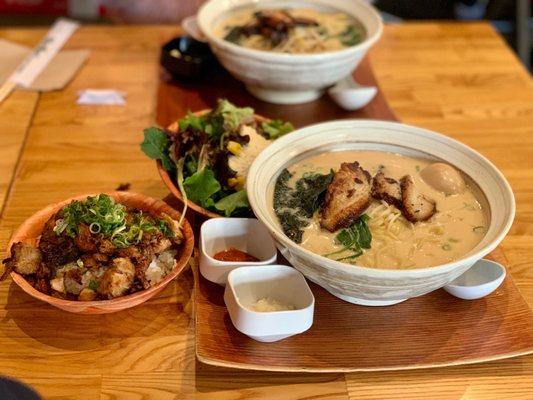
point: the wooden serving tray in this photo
(429, 331)
(434, 330)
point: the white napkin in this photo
(101, 97)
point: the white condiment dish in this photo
(245, 234)
(483, 278)
(348, 94)
(284, 78)
(286, 285)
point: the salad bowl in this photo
(30, 232)
(203, 158)
(171, 185)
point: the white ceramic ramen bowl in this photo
(245, 234)
(246, 285)
(370, 286)
(482, 279)
(288, 78)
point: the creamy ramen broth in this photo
(328, 31)
(455, 229)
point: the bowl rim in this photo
(181, 262)
(379, 272)
(286, 57)
(169, 183)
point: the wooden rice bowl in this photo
(172, 186)
(30, 232)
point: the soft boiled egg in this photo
(444, 178)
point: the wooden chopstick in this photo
(6, 89)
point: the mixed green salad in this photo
(199, 155)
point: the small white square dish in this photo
(244, 234)
(280, 292)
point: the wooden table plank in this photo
(16, 113)
(456, 78)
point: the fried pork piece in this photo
(387, 189)
(87, 295)
(141, 259)
(347, 196)
(85, 240)
(25, 259)
(94, 260)
(56, 249)
(117, 279)
(106, 246)
(416, 206)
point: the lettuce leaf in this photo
(233, 115)
(192, 121)
(201, 186)
(234, 201)
(155, 145)
(276, 128)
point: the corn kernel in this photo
(240, 182)
(232, 182)
(234, 147)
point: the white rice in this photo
(160, 266)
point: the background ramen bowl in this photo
(289, 78)
(370, 286)
(31, 229)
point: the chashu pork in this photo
(347, 196)
(416, 206)
(387, 189)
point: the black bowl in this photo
(187, 59)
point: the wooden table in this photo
(459, 79)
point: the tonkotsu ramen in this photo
(379, 209)
(297, 30)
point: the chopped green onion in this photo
(446, 247)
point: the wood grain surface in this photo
(459, 79)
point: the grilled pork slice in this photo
(387, 189)
(347, 196)
(416, 206)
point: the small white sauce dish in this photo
(281, 283)
(482, 279)
(245, 234)
(349, 95)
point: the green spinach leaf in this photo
(155, 146)
(354, 239)
(276, 128)
(201, 186)
(229, 204)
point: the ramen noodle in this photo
(456, 227)
(294, 31)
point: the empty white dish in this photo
(482, 279)
(348, 94)
(245, 234)
(281, 283)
